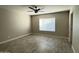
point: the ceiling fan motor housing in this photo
(35, 9)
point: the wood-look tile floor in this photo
(37, 44)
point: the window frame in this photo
(54, 30)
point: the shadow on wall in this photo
(13, 23)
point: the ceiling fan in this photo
(35, 9)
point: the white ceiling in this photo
(46, 8)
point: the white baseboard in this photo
(14, 38)
(64, 37)
(73, 49)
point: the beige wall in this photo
(75, 41)
(62, 23)
(13, 23)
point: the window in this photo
(47, 24)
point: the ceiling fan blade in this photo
(41, 8)
(31, 8)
